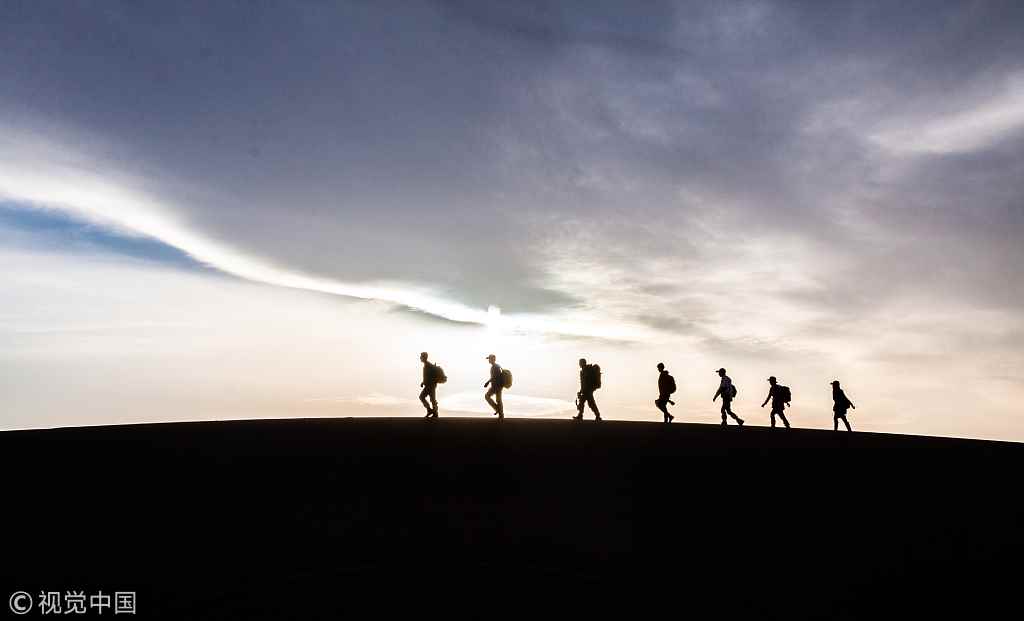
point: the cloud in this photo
(979, 126)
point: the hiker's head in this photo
(661, 366)
(583, 362)
(772, 380)
(491, 358)
(720, 372)
(423, 356)
(835, 383)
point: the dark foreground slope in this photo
(317, 518)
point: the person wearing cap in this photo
(496, 385)
(429, 386)
(727, 391)
(586, 394)
(840, 405)
(775, 393)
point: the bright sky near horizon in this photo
(231, 210)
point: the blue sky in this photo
(809, 190)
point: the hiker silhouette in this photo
(777, 394)
(840, 405)
(497, 384)
(589, 382)
(429, 385)
(666, 386)
(727, 391)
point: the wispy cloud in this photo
(979, 125)
(46, 183)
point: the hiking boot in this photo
(739, 421)
(671, 418)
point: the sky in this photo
(268, 209)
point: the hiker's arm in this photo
(718, 392)
(767, 398)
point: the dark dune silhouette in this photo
(317, 518)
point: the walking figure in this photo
(497, 383)
(780, 396)
(590, 380)
(432, 376)
(728, 393)
(840, 405)
(666, 386)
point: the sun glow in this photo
(493, 320)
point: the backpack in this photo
(594, 376)
(785, 394)
(734, 391)
(843, 403)
(439, 375)
(506, 378)
(670, 383)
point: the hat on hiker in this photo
(720, 371)
(834, 382)
(491, 357)
(771, 378)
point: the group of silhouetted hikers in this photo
(590, 381)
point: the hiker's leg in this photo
(433, 398)
(835, 422)
(663, 406)
(501, 406)
(423, 399)
(773, 419)
(490, 392)
(728, 408)
(725, 411)
(785, 422)
(735, 417)
(847, 423)
(593, 405)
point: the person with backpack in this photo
(496, 383)
(780, 396)
(840, 405)
(728, 393)
(590, 380)
(666, 386)
(432, 376)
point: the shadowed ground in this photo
(465, 517)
